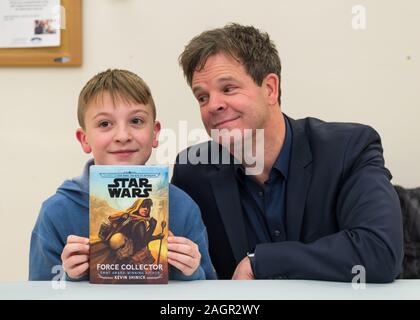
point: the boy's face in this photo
(120, 134)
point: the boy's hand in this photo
(75, 256)
(183, 254)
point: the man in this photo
(322, 205)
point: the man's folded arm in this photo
(369, 219)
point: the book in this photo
(128, 224)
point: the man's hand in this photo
(183, 254)
(75, 256)
(243, 271)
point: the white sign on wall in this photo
(29, 23)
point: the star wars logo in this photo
(129, 188)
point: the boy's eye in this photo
(137, 121)
(104, 124)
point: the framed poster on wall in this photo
(40, 33)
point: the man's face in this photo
(120, 134)
(228, 96)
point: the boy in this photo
(117, 116)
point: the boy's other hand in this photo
(183, 254)
(75, 256)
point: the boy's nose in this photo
(123, 135)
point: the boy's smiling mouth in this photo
(124, 152)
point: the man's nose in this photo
(216, 103)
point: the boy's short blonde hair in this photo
(122, 85)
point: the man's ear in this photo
(81, 137)
(271, 83)
(156, 131)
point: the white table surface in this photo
(213, 290)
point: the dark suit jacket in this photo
(341, 209)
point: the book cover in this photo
(128, 229)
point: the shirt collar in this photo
(282, 162)
(283, 159)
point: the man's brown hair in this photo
(121, 85)
(247, 44)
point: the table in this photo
(212, 290)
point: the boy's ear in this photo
(156, 131)
(81, 137)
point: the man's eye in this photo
(229, 89)
(104, 124)
(202, 99)
(137, 121)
